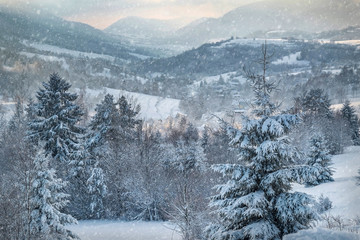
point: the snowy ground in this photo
(152, 107)
(343, 192)
(322, 234)
(118, 230)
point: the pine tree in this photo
(256, 202)
(48, 198)
(56, 120)
(319, 157)
(348, 113)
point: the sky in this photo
(102, 13)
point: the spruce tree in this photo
(256, 202)
(104, 128)
(316, 102)
(128, 113)
(48, 199)
(105, 124)
(348, 113)
(319, 157)
(56, 119)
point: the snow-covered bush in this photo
(323, 204)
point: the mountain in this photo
(350, 33)
(45, 28)
(136, 27)
(231, 54)
(256, 19)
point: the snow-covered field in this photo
(58, 50)
(152, 107)
(322, 234)
(343, 192)
(119, 230)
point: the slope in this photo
(343, 192)
(276, 15)
(48, 29)
(152, 107)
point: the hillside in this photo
(258, 18)
(152, 107)
(230, 55)
(45, 28)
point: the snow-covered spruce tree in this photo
(320, 158)
(48, 199)
(348, 113)
(256, 202)
(112, 129)
(104, 128)
(55, 123)
(55, 128)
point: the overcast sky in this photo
(101, 13)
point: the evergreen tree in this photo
(48, 198)
(316, 102)
(17, 122)
(98, 190)
(105, 125)
(256, 202)
(319, 157)
(105, 128)
(348, 113)
(56, 119)
(128, 113)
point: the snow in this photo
(355, 102)
(256, 42)
(48, 58)
(343, 192)
(226, 77)
(322, 234)
(152, 107)
(120, 230)
(332, 71)
(142, 57)
(349, 42)
(292, 59)
(58, 50)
